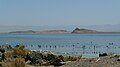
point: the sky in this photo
(59, 12)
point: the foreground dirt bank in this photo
(107, 61)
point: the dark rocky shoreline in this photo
(19, 54)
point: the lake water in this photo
(75, 44)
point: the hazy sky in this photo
(59, 12)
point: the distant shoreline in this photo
(69, 33)
(61, 31)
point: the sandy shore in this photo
(107, 61)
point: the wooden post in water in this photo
(94, 49)
(83, 47)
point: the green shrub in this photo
(71, 58)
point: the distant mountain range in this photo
(102, 28)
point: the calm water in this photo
(66, 43)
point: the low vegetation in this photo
(19, 57)
(18, 62)
(71, 58)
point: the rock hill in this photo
(82, 30)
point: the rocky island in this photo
(82, 30)
(38, 32)
(28, 31)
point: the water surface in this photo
(66, 43)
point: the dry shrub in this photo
(6, 64)
(18, 62)
(20, 51)
(17, 51)
(71, 58)
(9, 54)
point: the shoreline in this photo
(52, 58)
(84, 52)
(19, 54)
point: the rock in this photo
(61, 58)
(97, 59)
(77, 30)
(28, 62)
(31, 58)
(17, 45)
(15, 56)
(104, 54)
(5, 47)
(118, 59)
(2, 50)
(44, 59)
(45, 64)
(0, 64)
(0, 56)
